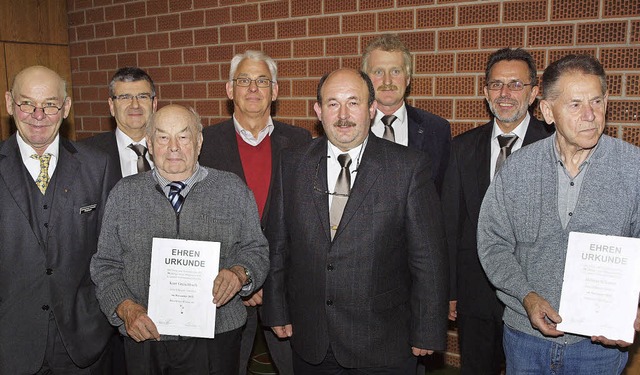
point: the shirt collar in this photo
(248, 137)
(125, 140)
(26, 150)
(520, 130)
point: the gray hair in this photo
(130, 74)
(195, 122)
(388, 43)
(257, 56)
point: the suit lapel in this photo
(11, 171)
(228, 150)
(316, 172)
(416, 129)
(66, 174)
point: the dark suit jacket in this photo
(46, 269)
(220, 149)
(431, 134)
(465, 184)
(381, 286)
(107, 142)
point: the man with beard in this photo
(511, 87)
(358, 276)
(387, 61)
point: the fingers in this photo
(254, 300)
(283, 332)
(136, 321)
(420, 352)
(453, 310)
(542, 316)
(225, 287)
(607, 342)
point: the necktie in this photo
(43, 177)
(141, 151)
(341, 193)
(388, 129)
(175, 198)
(506, 143)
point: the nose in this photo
(386, 78)
(135, 102)
(588, 114)
(505, 91)
(174, 145)
(253, 86)
(343, 113)
(38, 114)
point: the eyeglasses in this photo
(323, 191)
(144, 97)
(260, 82)
(513, 85)
(48, 109)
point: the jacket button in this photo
(49, 271)
(45, 307)
(329, 302)
(330, 267)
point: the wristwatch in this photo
(248, 280)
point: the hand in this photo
(254, 300)
(541, 315)
(226, 285)
(623, 344)
(420, 352)
(136, 321)
(453, 310)
(283, 332)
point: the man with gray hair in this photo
(578, 180)
(249, 145)
(178, 199)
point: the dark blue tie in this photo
(175, 198)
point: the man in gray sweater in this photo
(575, 181)
(179, 199)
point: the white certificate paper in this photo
(601, 286)
(180, 287)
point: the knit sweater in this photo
(219, 208)
(521, 242)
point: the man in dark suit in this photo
(387, 61)
(358, 275)
(132, 99)
(511, 87)
(53, 193)
(249, 145)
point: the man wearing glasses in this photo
(249, 145)
(53, 193)
(511, 87)
(358, 276)
(132, 99)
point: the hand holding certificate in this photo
(601, 286)
(182, 274)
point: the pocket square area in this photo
(89, 208)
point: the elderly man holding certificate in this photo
(170, 223)
(578, 180)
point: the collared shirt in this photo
(33, 165)
(568, 187)
(400, 125)
(520, 131)
(248, 137)
(333, 166)
(128, 157)
(197, 176)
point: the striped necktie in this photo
(175, 198)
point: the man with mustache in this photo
(249, 145)
(511, 87)
(358, 276)
(387, 61)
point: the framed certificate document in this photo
(180, 287)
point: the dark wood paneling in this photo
(34, 21)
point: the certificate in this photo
(180, 287)
(601, 286)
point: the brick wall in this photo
(186, 45)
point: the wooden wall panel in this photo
(19, 56)
(34, 21)
(4, 118)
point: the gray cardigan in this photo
(218, 208)
(521, 242)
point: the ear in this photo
(199, 143)
(149, 145)
(372, 110)
(318, 109)
(547, 112)
(111, 107)
(486, 93)
(155, 105)
(66, 107)
(534, 94)
(9, 102)
(229, 88)
(274, 91)
(606, 100)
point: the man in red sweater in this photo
(249, 145)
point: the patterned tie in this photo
(343, 187)
(141, 151)
(175, 198)
(506, 143)
(43, 177)
(389, 134)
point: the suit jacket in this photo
(431, 134)
(45, 269)
(380, 286)
(107, 142)
(465, 184)
(220, 149)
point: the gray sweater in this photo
(219, 208)
(521, 241)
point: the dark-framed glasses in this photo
(143, 97)
(323, 191)
(513, 85)
(260, 82)
(48, 109)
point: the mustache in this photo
(344, 124)
(389, 87)
(506, 100)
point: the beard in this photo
(520, 110)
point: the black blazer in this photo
(381, 285)
(431, 134)
(45, 269)
(107, 142)
(466, 181)
(220, 149)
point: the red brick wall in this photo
(186, 45)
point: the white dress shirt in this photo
(33, 165)
(400, 125)
(333, 165)
(248, 137)
(128, 157)
(520, 131)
